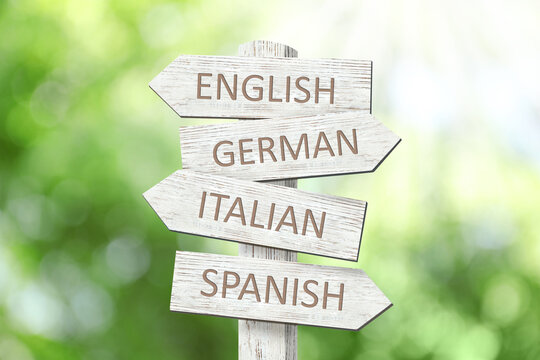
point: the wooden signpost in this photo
(264, 339)
(316, 121)
(273, 290)
(260, 214)
(298, 147)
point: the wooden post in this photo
(260, 339)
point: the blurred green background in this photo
(452, 234)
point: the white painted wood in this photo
(260, 340)
(221, 285)
(260, 214)
(296, 147)
(189, 85)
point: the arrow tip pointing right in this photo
(371, 301)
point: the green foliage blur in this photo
(452, 233)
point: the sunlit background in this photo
(452, 235)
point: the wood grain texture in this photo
(261, 214)
(296, 293)
(261, 340)
(190, 94)
(282, 148)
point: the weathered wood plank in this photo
(260, 214)
(263, 87)
(282, 148)
(274, 290)
(261, 340)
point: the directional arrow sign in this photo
(350, 142)
(250, 87)
(261, 214)
(279, 291)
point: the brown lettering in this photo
(237, 201)
(318, 230)
(243, 151)
(220, 79)
(230, 154)
(209, 282)
(271, 91)
(292, 224)
(257, 88)
(341, 135)
(288, 90)
(312, 294)
(303, 140)
(203, 200)
(267, 149)
(339, 296)
(295, 292)
(271, 217)
(282, 297)
(218, 203)
(201, 85)
(253, 215)
(322, 136)
(226, 285)
(318, 89)
(255, 291)
(303, 89)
